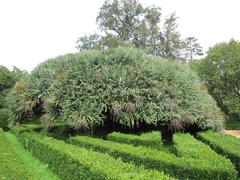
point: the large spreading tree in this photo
(117, 89)
(128, 23)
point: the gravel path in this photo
(235, 133)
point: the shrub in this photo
(5, 116)
(123, 86)
(11, 165)
(72, 162)
(211, 167)
(223, 144)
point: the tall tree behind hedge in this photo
(192, 48)
(6, 82)
(128, 23)
(220, 70)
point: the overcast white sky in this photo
(32, 31)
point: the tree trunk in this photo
(167, 136)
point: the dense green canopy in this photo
(220, 70)
(124, 84)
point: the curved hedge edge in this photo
(73, 162)
(11, 165)
(182, 168)
(222, 144)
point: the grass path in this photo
(11, 166)
(32, 164)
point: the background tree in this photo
(7, 80)
(89, 42)
(128, 23)
(220, 71)
(120, 17)
(170, 43)
(192, 48)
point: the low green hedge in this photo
(72, 162)
(11, 167)
(215, 167)
(136, 140)
(150, 140)
(226, 145)
(32, 164)
(184, 144)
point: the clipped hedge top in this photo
(208, 165)
(82, 163)
(229, 143)
(124, 84)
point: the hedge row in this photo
(179, 167)
(72, 162)
(150, 140)
(33, 165)
(184, 144)
(136, 140)
(226, 145)
(11, 166)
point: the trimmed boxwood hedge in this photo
(33, 165)
(226, 145)
(215, 167)
(11, 166)
(136, 140)
(72, 162)
(184, 144)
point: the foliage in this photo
(18, 74)
(232, 124)
(220, 71)
(185, 145)
(6, 78)
(129, 23)
(124, 84)
(226, 145)
(11, 165)
(71, 162)
(6, 82)
(142, 140)
(5, 118)
(19, 100)
(32, 164)
(212, 167)
(192, 48)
